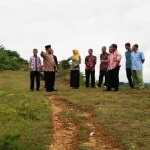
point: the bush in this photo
(11, 60)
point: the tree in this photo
(11, 60)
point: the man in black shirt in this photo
(56, 62)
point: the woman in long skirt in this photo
(75, 69)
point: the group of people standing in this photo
(50, 66)
(109, 68)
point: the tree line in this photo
(11, 60)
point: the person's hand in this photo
(41, 53)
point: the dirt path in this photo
(67, 137)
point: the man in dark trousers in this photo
(114, 77)
(56, 62)
(35, 66)
(128, 64)
(49, 68)
(103, 67)
(90, 62)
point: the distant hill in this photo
(11, 60)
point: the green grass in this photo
(24, 116)
(125, 115)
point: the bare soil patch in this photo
(69, 137)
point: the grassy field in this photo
(25, 117)
(125, 115)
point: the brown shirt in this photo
(48, 62)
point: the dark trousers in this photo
(113, 78)
(88, 74)
(129, 77)
(33, 75)
(75, 78)
(49, 77)
(103, 73)
(54, 80)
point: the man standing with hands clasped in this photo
(35, 67)
(49, 68)
(90, 62)
(103, 67)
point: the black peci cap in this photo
(47, 46)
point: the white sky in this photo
(81, 24)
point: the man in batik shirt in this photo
(49, 68)
(90, 62)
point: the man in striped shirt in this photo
(49, 68)
(35, 67)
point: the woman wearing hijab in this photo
(75, 69)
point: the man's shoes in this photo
(49, 91)
(38, 90)
(115, 90)
(107, 90)
(54, 90)
(31, 89)
(75, 88)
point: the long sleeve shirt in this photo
(48, 62)
(104, 65)
(76, 62)
(90, 62)
(35, 63)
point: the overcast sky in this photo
(81, 24)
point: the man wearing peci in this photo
(35, 67)
(128, 64)
(138, 59)
(49, 68)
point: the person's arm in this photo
(43, 54)
(95, 60)
(143, 61)
(29, 65)
(70, 58)
(86, 61)
(105, 61)
(55, 58)
(118, 59)
(79, 61)
(142, 58)
(40, 63)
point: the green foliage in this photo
(25, 117)
(64, 64)
(11, 60)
